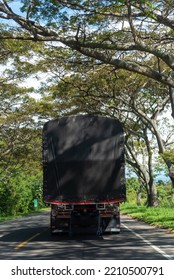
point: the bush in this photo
(18, 192)
(164, 195)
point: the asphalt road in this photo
(29, 239)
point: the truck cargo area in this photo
(84, 173)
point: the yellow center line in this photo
(28, 240)
(25, 242)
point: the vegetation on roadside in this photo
(161, 216)
(31, 212)
(20, 193)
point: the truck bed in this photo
(83, 160)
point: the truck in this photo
(84, 173)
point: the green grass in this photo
(6, 218)
(162, 216)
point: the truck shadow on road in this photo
(28, 240)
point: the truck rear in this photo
(84, 173)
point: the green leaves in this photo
(168, 155)
(18, 191)
(144, 29)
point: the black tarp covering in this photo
(83, 159)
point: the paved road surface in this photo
(29, 238)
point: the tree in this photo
(20, 134)
(129, 35)
(125, 34)
(136, 101)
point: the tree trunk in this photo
(139, 198)
(171, 92)
(152, 199)
(172, 191)
(171, 175)
(139, 195)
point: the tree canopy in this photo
(109, 57)
(109, 31)
(125, 34)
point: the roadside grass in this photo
(161, 216)
(7, 218)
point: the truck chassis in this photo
(98, 218)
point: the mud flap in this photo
(114, 224)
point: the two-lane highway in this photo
(30, 238)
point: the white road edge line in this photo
(149, 243)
